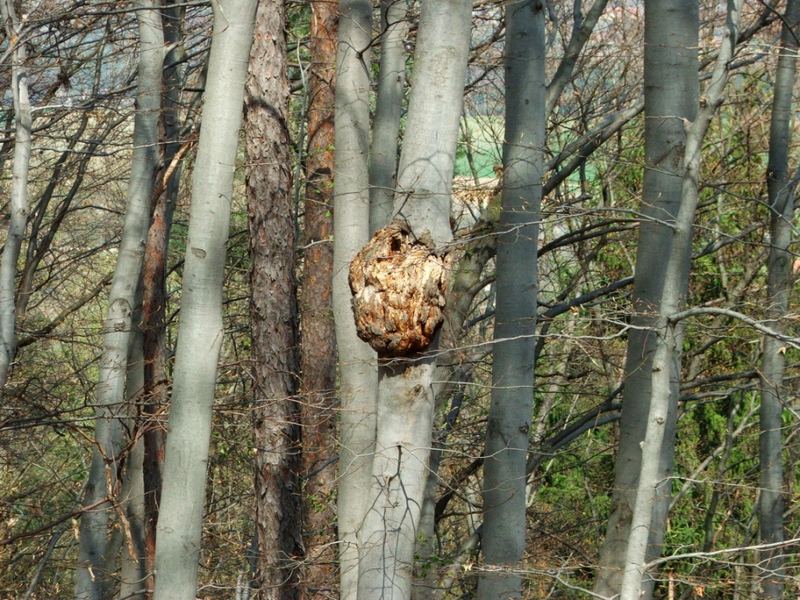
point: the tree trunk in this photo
(133, 569)
(504, 468)
(405, 407)
(779, 282)
(272, 307)
(449, 379)
(18, 219)
(358, 376)
(674, 133)
(388, 108)
(90, 581)
(318, 348)
(154, 327)
(180, 520)
(671, 93)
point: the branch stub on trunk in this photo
(398, 283)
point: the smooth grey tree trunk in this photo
(671, 93)
(200, 333)
(504, 467)
(405, 406)
(779, 282)
(468, 272)
(388, 109)
(133, 572)
(18, 219)
(90, 580)
(133, 565)
(358, 375)
(653, 363)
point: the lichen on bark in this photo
(398, 282)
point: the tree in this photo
(272, 307)
(154, 275)
(388, 109)
(134, 572)
(357, 370)
(82, 63)
(405, 406)
(318, 338)
(647, 431)
(200, 332)
(671, 95)
(505, 464)
(91, 577)
(779, 264)
(18, 220)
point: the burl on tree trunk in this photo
(398, 283)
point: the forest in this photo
(399, 300)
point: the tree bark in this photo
(388, 109)
(154, 273)
(779, 282)
(18, 219)
(180, 518)
(318, 347)
(133, 569)
(90, 579)
(272, 307)
(405, 407)
(504, 468)
(358, 376)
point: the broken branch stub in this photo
(398, 283)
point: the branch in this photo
(75, 513)
(771, 546)
(710, 310)
(62, 316)
(580, 35)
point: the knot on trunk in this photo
(398, 283)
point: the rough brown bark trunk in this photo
(272, 307)
(318, 351)
(155, 383)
